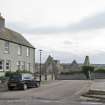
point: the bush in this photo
(8, 73)
(87, 69)
(100, 70)
(3, 79)
(70, 72)
(23, 71)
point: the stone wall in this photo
(80, 76)
(99, 76)
(76, 76)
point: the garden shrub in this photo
(100, 70)
(87, 69)
(70, 72)
(9, 73)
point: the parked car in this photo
(22, 81)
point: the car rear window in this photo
(27, 77)
(15, 77)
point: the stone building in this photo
(74, 66)
(51, 68)
(16, 53)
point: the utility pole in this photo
(40, 65)
(89, 75)
(34, 64)
(87, 63)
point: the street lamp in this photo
(40, 66)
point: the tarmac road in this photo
(63, 92)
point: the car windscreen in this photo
(15, 77)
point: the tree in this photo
(87, 70)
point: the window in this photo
(28, 66)
(1, 65)
(7, 65)
(18, 65)
(6, 50)
(28, 51)
(22, 65)
(19, 50)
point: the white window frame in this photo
(8, 67)
(22, 65)
(28, 51)
(6, 47)
(19, 50)
(28, 66)
(18, 65)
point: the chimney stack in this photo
(2, 22)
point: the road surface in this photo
(64, 92)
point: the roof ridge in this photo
(13, 36)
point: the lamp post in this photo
(40, 66)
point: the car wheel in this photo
(10, 88)
(24, 86)
(37, 85)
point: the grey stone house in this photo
(16, 53)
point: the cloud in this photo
(89, 23)
(66, 57)
(33, 29)
(68, 42)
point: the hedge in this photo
(100, 70)
(87, 69)
(9, 73)
(70, 72)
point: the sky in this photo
(64, 29)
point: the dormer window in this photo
(6, 49)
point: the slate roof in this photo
(12, 36)
(74, 63)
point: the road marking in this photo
(91, 103)
(49, 101)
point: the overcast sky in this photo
(66, 29)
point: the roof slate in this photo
(12, 36)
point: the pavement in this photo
(3, 86)
(96, 91)
(98, 85)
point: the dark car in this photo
(22, 81)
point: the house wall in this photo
(14, 57)
(2, 22)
